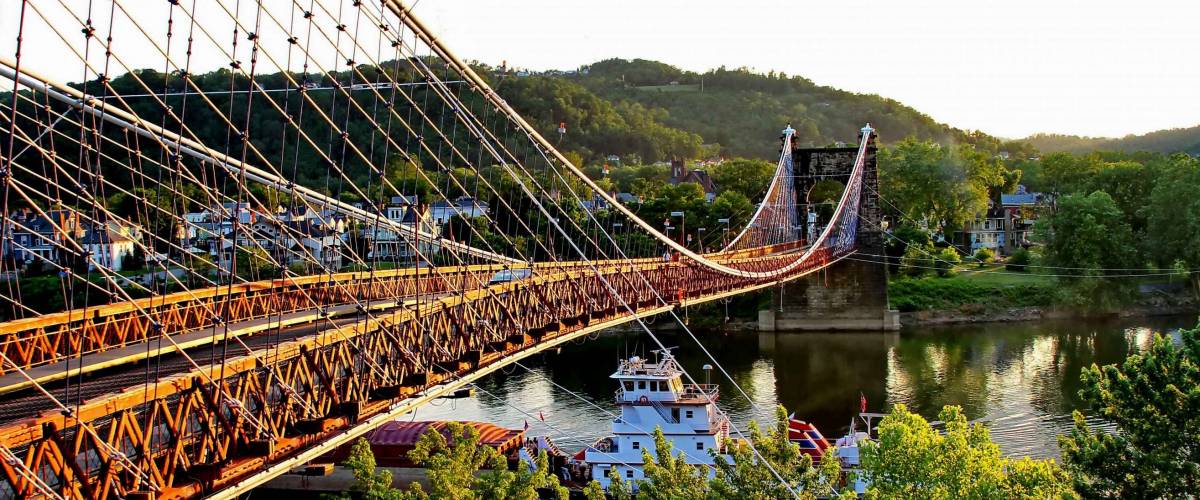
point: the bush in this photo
(985, 256)
(1018, 261)
(916, 261)
(947, 258)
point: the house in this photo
(988, 231)
(45, 236)
(110, 244)
(466, 206)
(391, 243)
(1021, 211)
(680, 174)
(627, 198)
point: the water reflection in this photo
(1022, 378)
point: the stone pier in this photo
(852, 294)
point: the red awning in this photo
(407, 433)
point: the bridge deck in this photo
(140, 351)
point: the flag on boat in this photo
(862, 403)
(527, 425)
(541, 416)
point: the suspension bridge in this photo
(263, 335)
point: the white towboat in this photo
(653, 395)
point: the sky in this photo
(1010, 68)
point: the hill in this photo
(1185, 140)
(743, 111)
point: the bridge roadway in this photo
(192, 439)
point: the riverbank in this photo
(971, 315)
(989, 297)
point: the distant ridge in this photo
(1186, 140)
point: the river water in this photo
(1020, 378)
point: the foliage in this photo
(593, 491)
(1153, 398)
(618, 489)
(984, 256)
(745, 476)
(912, 460)
(452, 463)
(1173, 216)
(946, 186)
(744, 110)
(1185, 140)
(918, 260)
(669, 476)
(945, 260)
(749, 178)
(1088, 238)
(1018, 261)
(371, 483)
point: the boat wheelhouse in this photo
(650, 395)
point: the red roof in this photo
(407, 433)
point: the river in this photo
(1020, 378)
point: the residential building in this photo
(680, 174)
(466, 206)
(389, 243)
(45, 236)
(111, 244)
(1021, 210)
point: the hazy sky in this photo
(1011, 68)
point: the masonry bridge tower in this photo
(853, 295)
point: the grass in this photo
(970, 289)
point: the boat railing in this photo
(700, 391)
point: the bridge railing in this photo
(205, 429)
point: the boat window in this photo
(662, 386)
(637, 445)
(629, 473)
(628, 385)
(700, 445)
(689, 414)
(641, 384)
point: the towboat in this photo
(653, 395)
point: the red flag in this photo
(541, 416)
(862, 403)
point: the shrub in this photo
(947, 258)
(1018, 261)
(985, 256)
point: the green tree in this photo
(618, 489)
(943, 185)
(669, 476)
(593, 491)
(744, 475)
(1085, 236)
(1065, 173)
(371, 483)
(1153, 398)
(451, 464)
(748, 177)
(912, 460)
(1173, 217)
